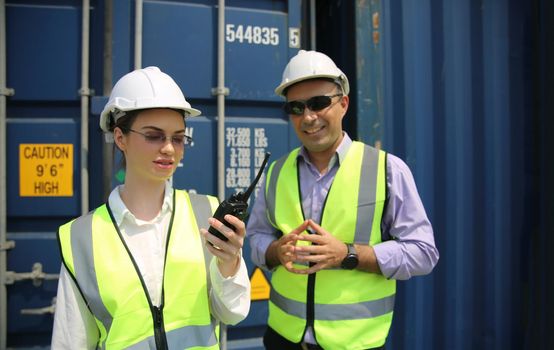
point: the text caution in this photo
(46, 170)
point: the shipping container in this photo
(63, 56)
(461, 90)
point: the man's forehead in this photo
(312, 87)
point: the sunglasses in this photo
(316, 103)
(159, 138)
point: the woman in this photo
(136, 272)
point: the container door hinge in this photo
(5, 91)
(36, 275)
(41, 310)
(220, 91)
(7, 245)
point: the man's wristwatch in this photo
(351, 261)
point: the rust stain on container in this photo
(376, 33)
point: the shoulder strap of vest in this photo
(271, 183)
(370, 161)
(203, 208)
(367, 189)
(78, 236)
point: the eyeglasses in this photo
(159, 138)
(316, 103)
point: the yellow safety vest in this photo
(96, 256)
(347, 309)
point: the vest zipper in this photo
(157, 312)
(310, 292)
(159, 330)
(310, 302)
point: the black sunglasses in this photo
(316, 103)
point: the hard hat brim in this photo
(189, 112)
(281, 88)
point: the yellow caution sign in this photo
(45, 170)
(260, 286)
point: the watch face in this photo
(350, 262)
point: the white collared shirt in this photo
(74, 325)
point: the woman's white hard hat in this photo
(311, 65)
(142, 89)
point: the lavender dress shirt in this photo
(410, 252)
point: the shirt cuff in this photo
(229, 297)
(386, 253)
(260, 260)
(227, 286)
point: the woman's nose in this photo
(168, 147)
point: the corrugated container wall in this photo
(455, 88)
(49, 140)
(452, 88)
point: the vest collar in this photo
(339, 156)
(120, 211)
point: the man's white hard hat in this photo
(311, 65)
(141, 89)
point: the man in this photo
(338, 223)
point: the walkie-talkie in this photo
(236, 205)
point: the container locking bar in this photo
(85, 91)
(7, 245)
(36, 274)
(6, 91)
(220, 91)
(41, 310)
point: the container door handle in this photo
(41, 310)
(36, 275)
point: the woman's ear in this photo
(119, 139)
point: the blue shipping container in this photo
(44, 67)
(450, 87)
(461, 90)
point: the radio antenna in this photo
(253, 184)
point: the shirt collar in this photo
(120, 211)
(339, 155)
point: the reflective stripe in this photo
(291, 307)
(147, 344)
(202, 212)
(201, 208)
(366, 195)
(183, 338)
(191, 336)
(271, 187)
(364, 310)
(335, 312)
(83, 262)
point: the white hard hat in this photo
(310, 65)
(141, 89)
